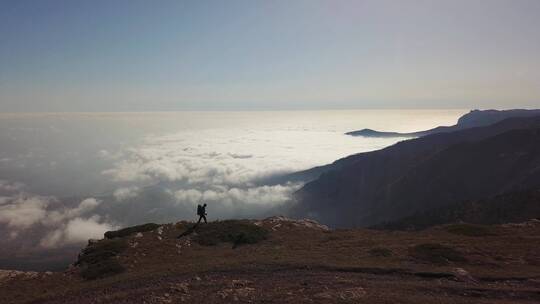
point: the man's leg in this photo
(204, 216)
(200, 218)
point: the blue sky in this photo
(251, 55)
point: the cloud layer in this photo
(31, 218)
(218, 167)
(87, 173)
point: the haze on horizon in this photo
(258, 55)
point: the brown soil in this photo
(300, 264)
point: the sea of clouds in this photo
(66, 178)
(23, 212)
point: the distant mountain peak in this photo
(475, 118)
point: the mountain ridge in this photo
(357, 190)
(475, 118)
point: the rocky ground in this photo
(304, 262)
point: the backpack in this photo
(199, 210)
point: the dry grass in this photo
(300, 265)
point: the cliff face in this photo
(424, 173)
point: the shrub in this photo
(101, 269)
(436, 253)
(99, 259)
(234, 231)
(130, 230)
(101, 250)
(469, 230)
(380, 252)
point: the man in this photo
(201, 212)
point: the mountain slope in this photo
(473, 119)
(297, 262)
(510, 207)
(424, 173)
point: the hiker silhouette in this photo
(201, 212)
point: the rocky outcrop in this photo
(277, 222)
(8, 275)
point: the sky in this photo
(62, 56)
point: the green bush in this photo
(131, 230)
(380, 252)
(237, 232)
(102, 250)
(436, 253)
(99, 259)
(101, 269)
(470, 230)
